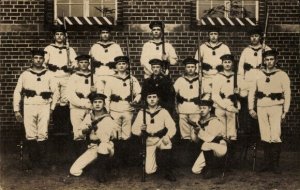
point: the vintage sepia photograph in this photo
(149, 94)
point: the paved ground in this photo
(12, 177)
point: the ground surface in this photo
(12, 177)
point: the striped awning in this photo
(225, 21)
(77, 21)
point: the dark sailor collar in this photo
(215, 47)
(120, 78)
(38, 73)
(270, 73)
(191, 80)
(86, 75)
(58, 47)
(255, 48)
(204, 123)
(105, 45)
(227, 76)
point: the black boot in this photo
(33, 154)
(209, 167)
(42, 145)
(266, 165)
(79, 147)
(167, 165)
(101, 164)
(276, 150)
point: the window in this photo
(85, 12)
(227, 12)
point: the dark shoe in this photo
(276, 170)
(208, 174)
(265, 168)
(170, 177)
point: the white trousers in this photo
(61, 83)
(36, 121)
(186, 129)
(77, 115)
(151, 165)
(85, 159)
(124, 122)
(228, 120)
(269, 119)
(218, 149)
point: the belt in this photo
(231, 97)
(159, 134)
(94, 141)
(273, 96)
(116, 98)
(181, 99)
(32, 93)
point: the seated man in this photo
(158, 126)
(100, 127)
(209, 131)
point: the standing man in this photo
(156, 123)
(157, 49)
(273, 93)
(210, 53)
(187, 96)
(123, 91)
(101, 129)
(103, 53)
(78, 89)
(226, 98)
(163, 84)
(60, 59)
(249, 66)
(208, 130)
(40, 94)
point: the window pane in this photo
(96, 10)
(62, 9)
(102, 10)
(77, 1)
(62, 1)
(77, 10)
(249, 8)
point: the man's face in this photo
(255, 39)
(83, 65)
(227, 64)
(121, 66)
(204, 110)
(270, 61)
(156, 32)
(152, 100)
(104, 35)
(156, 69)
(190, 69)
(38, 60)
(213, 37)
(59, 37)
(98, 104)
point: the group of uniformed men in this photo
(100, 94)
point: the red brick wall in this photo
(22, 28)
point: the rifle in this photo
(67, 43)
(129, 69)
(144, 145)
(200, 71)
(166, 63)
(92, 70)
(265, 34)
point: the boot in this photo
(33, 154)
(167, 165)
(266, 165)
(209, 161)
(102, 162)
(232, 158)
(276, 150)
(42, 146)
(80, 147)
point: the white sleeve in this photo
(17, 94)
(138, 122)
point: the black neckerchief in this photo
(105, 46)
(38, 74)
(152, 115)
(191, 81)
(268, 75)
(86, 81)
(123, 79)
(227, 76)
(99, 119)
(157, 44)
(255, 49)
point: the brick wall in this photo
(22, 28)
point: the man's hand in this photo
(143, 127)
(232, 109)
(165, 140)
(18, 116)
(166, 72)
(253, 114)
(93, 89)
(236, 90)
